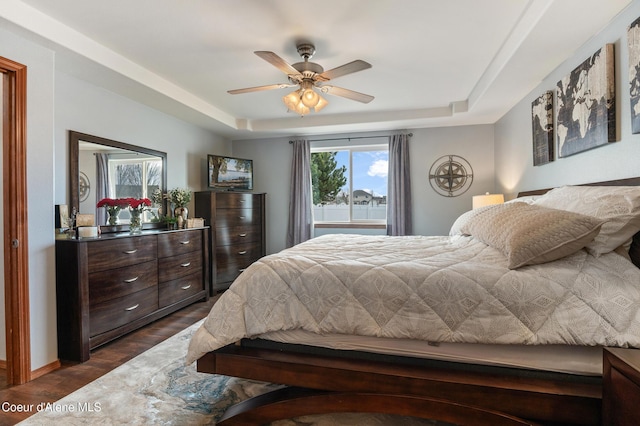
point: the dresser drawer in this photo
(116, 312)
(235, 201)
(119, 252)
(114, 283)
(238, 235)
(171, 268)
(236, 217)
(174, 243)
(232, 260)
(176, 290)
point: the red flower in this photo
(110, 202)
(122, 203)
(141, 202)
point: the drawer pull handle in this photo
(242, 252)
(186, 287)
(130, 251)
(130, 280)
(133, 307)
(241, 217)
(185, 242)
(184, 265)
(242, 235)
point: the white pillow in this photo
(461, 221)
(617, 206)
(528, 234)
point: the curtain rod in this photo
(348, 139)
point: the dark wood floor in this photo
(72, 376)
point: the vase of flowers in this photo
(136, 207)
(113, 208)
(157, 198)
(180, 197)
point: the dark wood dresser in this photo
(114, 284)
(621, 387)
(237, 222)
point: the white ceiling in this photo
(435, 62)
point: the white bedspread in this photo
(440, 289)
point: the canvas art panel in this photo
(542, 127)
(633, 42)
(586, 109)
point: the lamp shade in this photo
(487, 200)
(310, 98)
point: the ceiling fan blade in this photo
(346, 93)
(277, 61)
(260, 88)
(345, 69)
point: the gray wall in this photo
(40, 197)
(57, 103)
(83, 107)
(513, 141)
(433, 214)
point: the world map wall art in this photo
(542, 123)
(633, 41)
(586, 110)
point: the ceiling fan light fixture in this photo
(301, 109)
(291, 100)
(301, 101)
(310, 98)
(322, 102)
(309, 77)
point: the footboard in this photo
(461, 396)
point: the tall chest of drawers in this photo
(109, 286)
(237, 222)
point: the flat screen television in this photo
(230, 173)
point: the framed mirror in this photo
(103, 168)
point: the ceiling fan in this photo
(309, 76)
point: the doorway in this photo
(16, 253)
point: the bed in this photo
(497, 323)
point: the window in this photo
(350, 183)
(134, 178)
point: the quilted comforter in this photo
(439, 289)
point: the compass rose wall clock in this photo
(451, 176)
(84, 186)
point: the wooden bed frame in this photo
(333, 383)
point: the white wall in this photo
(433, 214)
(40, 182)
(513, 141)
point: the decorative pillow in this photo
(461, 221)
(464, 217)
(617, 206)
(528, 234)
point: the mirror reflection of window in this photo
(119, 173)
(135, 177)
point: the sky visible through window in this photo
(370, 169)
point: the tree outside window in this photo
(350, 184)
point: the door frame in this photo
(16, 250)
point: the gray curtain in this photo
(102, 186)
(300, 226)
(399, 220)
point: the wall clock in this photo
(84, 186)
(451, 176)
